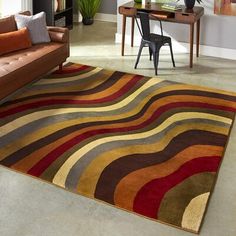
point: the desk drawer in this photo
(127, 11)
(185, 17)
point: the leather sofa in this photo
(24, 66)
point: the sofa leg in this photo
(60, 67)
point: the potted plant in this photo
(88, 9)
(190, 3)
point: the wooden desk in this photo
(183, 16)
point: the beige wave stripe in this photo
(69, 79)
(71, 88)
(96, 95)
(124, 197)
(61, 175)
(23, 120)
(204, 89)
(43, 132)
(194, 212)
(46, 131)
(183, 86)
(88, 180)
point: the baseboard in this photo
(106, 17)
(99, 16)
(77, 18)
(180, 47)
(218, 52)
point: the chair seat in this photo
(159, 38)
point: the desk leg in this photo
(132, 31)
(198, 38)
(191, 45)
(123, 35)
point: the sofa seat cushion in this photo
(20, 68)
(13, 62)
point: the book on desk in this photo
(171, 6)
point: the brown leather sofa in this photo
(22, 67)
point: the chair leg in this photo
(156, 60)
(172, 56)
(139, 54)
(150, 53)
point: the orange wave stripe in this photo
(157, 104)
(175, 98)
(124, 197)
(106, 92)
(72, 88)
(29, 161)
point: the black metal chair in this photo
(153, 41)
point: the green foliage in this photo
(199, 1)
(88, 8)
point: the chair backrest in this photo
(145, 24)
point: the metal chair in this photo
(153, 41)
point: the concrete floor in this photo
(31, 207)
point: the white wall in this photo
(0, 8)
(217, 30)
(13, 6)
(108, 7)
(218, 33)
(10, 6)
(27, 5)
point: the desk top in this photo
(157, 7)
(184, 15)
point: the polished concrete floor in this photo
(31, 207)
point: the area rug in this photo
(145, 145)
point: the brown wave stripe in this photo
(149, 146)
(169, 211)
(120, 168)
(85, 89)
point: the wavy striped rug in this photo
(145, 145)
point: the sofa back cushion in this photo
(36, 25)
(7, 24)
(13, 41)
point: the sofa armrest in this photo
(58, 34)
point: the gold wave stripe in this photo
(23, 120)
(124, 197)
(61, 175)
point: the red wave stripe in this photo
(45, 162)
(148, 199)
(150, 195)
(68, 70)
(39, 104)
(119, 93)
